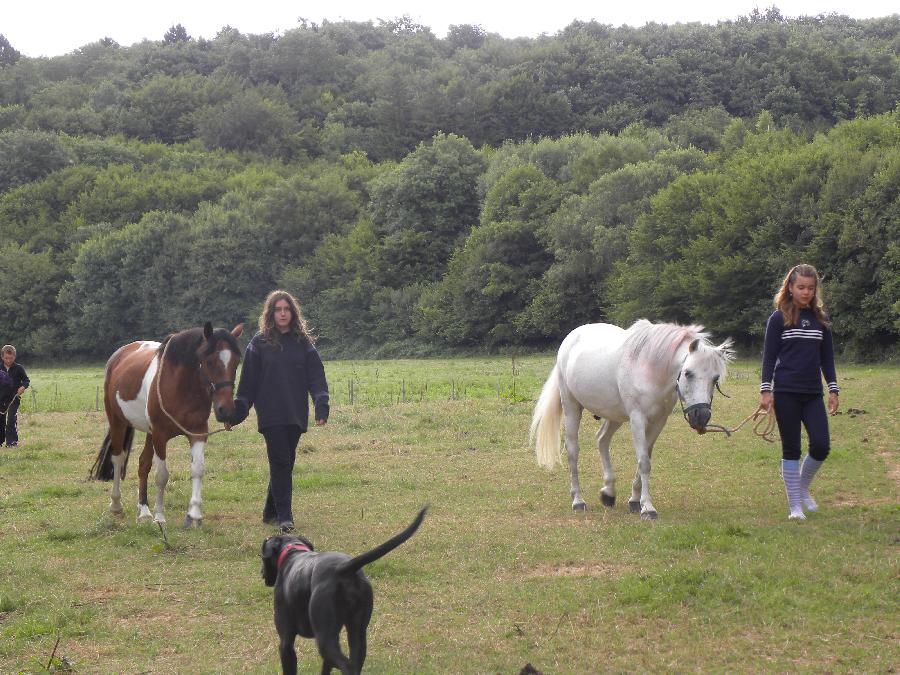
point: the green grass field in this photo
(502, 572)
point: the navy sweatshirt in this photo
(796, 357)
(279, 379)
(7, 390)
(18, 375)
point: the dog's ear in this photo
(270, 549)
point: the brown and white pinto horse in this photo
(166, 390)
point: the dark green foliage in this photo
(714, 245)
(473, 192)
(422, 209)
(27, 156)
(8, 54)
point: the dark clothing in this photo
(9, 402)
(279, 379)
(796, 357)
(18, 375)
(792, 410)
(9, 427)
(281, 446)
(7, 390)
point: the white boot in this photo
(807, 472)
(790, 471)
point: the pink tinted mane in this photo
(652, 346)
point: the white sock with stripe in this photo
(807, 473)
(790, 471)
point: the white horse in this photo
(635, 375)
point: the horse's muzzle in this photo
(223, 414)
(235, 416)
(698, 416)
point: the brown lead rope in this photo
(760, 416)
(187, 433)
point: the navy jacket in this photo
(7, 390)
(795, 358)
(18, 375)
(279, 379)
(14, 377)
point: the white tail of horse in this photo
(545, 423)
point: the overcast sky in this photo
(50, 28)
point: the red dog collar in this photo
(295, 546)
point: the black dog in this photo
(316, 594)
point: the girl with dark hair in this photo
(281, 371)
(798, 350)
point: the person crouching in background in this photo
(9, 430)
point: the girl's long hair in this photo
(785, 303)
(297, 326)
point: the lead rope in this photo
(163, 408)
(760, 416)
(17, 396)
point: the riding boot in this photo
(807, 472)
(790, 471)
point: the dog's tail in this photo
(360, 561)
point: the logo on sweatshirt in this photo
(805, 323)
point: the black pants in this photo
(792, 410)
(9, 429)
(281, 446)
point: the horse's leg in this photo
(604, 437)
(116, 444)
(198, 467)
(162, 479)
(144, 464)
(572, 411)
(644, 433)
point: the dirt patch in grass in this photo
(571, 568)
(893, 467)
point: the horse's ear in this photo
(726, 349)
(694, 344)
(238, 330)
(207, 330)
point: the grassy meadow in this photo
(501, 574)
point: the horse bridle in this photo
(213, 386)
(698, 406)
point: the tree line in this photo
(422, 195)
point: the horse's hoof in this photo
(649, 515)
(634, 507)
(159, 519)
(579, 507)
(608, 500)
(192, 522)
(144, 518)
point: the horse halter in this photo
(697, 406)
(213, 386)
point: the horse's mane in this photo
(657, 343)
(183, 347)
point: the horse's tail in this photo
(546, 422)
(103, 467)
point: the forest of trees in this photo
(422, 195)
